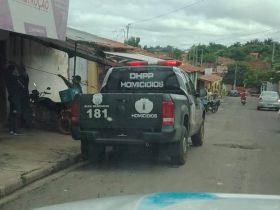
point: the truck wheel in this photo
(84, 149)
(95, 152)
(197, 139)
(179, 151)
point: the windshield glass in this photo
(140, 104)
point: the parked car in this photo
(233, 93)
(269, 100)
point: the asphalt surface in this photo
(241, 154)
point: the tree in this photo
(254, 78)
(209, 58)
(213, 47)
(133, 41)
(237, 54)
(241, 70)
(169, 51)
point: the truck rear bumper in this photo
(146, 137)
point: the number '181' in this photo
(97, 113)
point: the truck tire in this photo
(197, 139)
(95, 152)
(84, 149)
(179, 150)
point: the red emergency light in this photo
(160, 63)
(170, 63)
(137, 63)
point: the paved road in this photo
(241, 155)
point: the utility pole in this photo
(127, 30)
(235, 74)
(196, 56)
(201, 58)
(123, 31)
(273, 53)
(193, 55)
(75, 59)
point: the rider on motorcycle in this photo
(243, 95)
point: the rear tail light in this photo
(167, 108)
(75, 111)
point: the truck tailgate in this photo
(120, 110)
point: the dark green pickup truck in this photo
(155, 105)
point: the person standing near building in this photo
(14, 88)
(76, 82)
(24, 96)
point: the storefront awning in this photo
(210, 78)
(79, 44)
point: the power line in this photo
(167, 13)
(159, 16)
(237, 37)
(244, 35)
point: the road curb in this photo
(30, 177)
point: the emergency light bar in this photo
(160, 63)
(137, 63)
(169, 63)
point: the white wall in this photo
(41, 64)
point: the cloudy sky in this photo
(179, 23)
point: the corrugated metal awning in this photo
(83, 44)
(125, 57)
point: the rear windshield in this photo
(141, 79)
(269, 94)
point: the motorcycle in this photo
(212, 105)
(50, 113)
(243, 101)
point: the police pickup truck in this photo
(140, 103)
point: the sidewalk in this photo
(33, 155)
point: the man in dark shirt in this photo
(24, 96)
(14, 86)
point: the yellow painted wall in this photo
(214, 86)
(92, 77)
